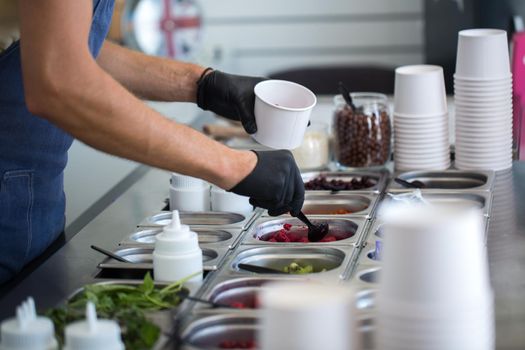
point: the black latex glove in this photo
(274, 184)
(230, 96)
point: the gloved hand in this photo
(274, 184)
(230, 96)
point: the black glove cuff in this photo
(245, 187)
(202, 83)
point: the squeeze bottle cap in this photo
(27, 330)
(176, 238)
(93, 334)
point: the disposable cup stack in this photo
(421, 133)
(307, 316)
(483, 100)
(434, 292)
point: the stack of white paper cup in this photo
(436, 294)
(421, 134)
(189, 193)
(306, 316)
(483, 100)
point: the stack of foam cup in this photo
(421, 133)
(483, 100)
(306, 316)
(434, 292)
(189, 193)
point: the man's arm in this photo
(149, 77)
(65, 85)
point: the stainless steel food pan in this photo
(333, 260)
(142, 258)
(338, 205)
(341, 227)
(231, 291)
(212, 331)
(224, 219)
(208, 236)
(447, 180)
(379, 178)
(481, 200)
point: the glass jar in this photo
(313, 154)
(362, 138)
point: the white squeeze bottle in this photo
(177, 254)
(92, 333)
(28, 330)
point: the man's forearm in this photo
(64, 84)
(149, 77)
(106, 116)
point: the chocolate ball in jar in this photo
(362, 136)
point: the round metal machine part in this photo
(169, 28)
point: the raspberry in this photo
(227, 344)
(238, 305)
(329, 239)
(287, 227)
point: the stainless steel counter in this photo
(75, 264)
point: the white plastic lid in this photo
(93, 334)
(27, 330)
(180, 181)
(176, 238)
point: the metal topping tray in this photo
(211, 218)
(353, 204)
(456, 180)
(338, 226)
(208, 236)
(332, 260)
(209, 332)
(142, 258)
(228, 291)
(459, 199)
(380, 179)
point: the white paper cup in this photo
(469, 150)
(434, 272)
(484, 166)
(473, 160)
(430, 154)
(410, 153)
(282, 110)
(458, 88)
(477, 136)
(418, 119)
(421, 139)
(505, 108)
(421, 159)
(437, 129)
(222, 200)
(420, 90)
(422, 166)
(485, 101)
(483, 97)
(482, 54)
(306, 316)
(472, 156)
(490, 83)
(485, 127)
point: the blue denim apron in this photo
(33, 154)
